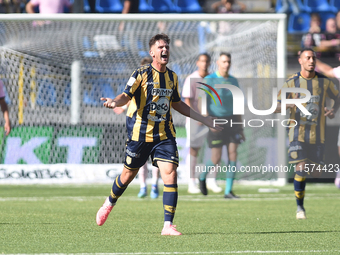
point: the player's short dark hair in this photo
(204, 54)
(306, 49)
(158, 37)
(146, 60)
(225, 54)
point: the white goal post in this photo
(56, 66)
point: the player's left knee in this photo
(127, 176)
(168, 172)
(232, 155)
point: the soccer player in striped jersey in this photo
(153, 90)
(143, 171)
(307, 132)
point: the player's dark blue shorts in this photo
(299, 151)
(137, 153)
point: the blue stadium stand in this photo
(188, 6)
(318, 6)
(109, 6)
(120, 67)
(47, 94)
(67, 95)
(100, 88)
(301, 6)
(144, 6)
(324, 17)
(162, 6)
(86, 6)
(299, 23)
(335, 5)
(107, 91)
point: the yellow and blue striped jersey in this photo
(310, 128)
(152, 92)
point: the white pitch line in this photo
(174, 253)
(310, 196)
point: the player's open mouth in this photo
(164, 57)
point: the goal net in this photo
(55, 68)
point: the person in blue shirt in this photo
(232, 134)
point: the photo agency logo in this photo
(208, 92)
(239, 103)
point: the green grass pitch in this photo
(61, 219)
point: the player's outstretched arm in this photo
(119, 101)
(325, 69)
(184, 109)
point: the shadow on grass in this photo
(25, 223)
(290, 232)
(264, 233)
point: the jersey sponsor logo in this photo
(295, 148)
(128, 160)
(162, 92)
(313, 99)
(171, 84)
(132, 154)
(131, 81)
(151, 83)
(172, 157)
(314, 109)
(161, 107)
(294, 155)
(155, 118)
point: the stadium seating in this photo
(299, 23)
(324, 17)
(162, 6)
(299, 3)
(47, 94)
(100, 88)
(144, 6)
(188, 6)
(86, 6)
(335, 5)
(67, 94)
(141, 49)
(318, 6)
(109, 6)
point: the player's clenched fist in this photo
(109, 102)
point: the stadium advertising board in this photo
(58, 173)
(66, 154)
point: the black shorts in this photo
(299, 151)
(227, 135)
(137, 153)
